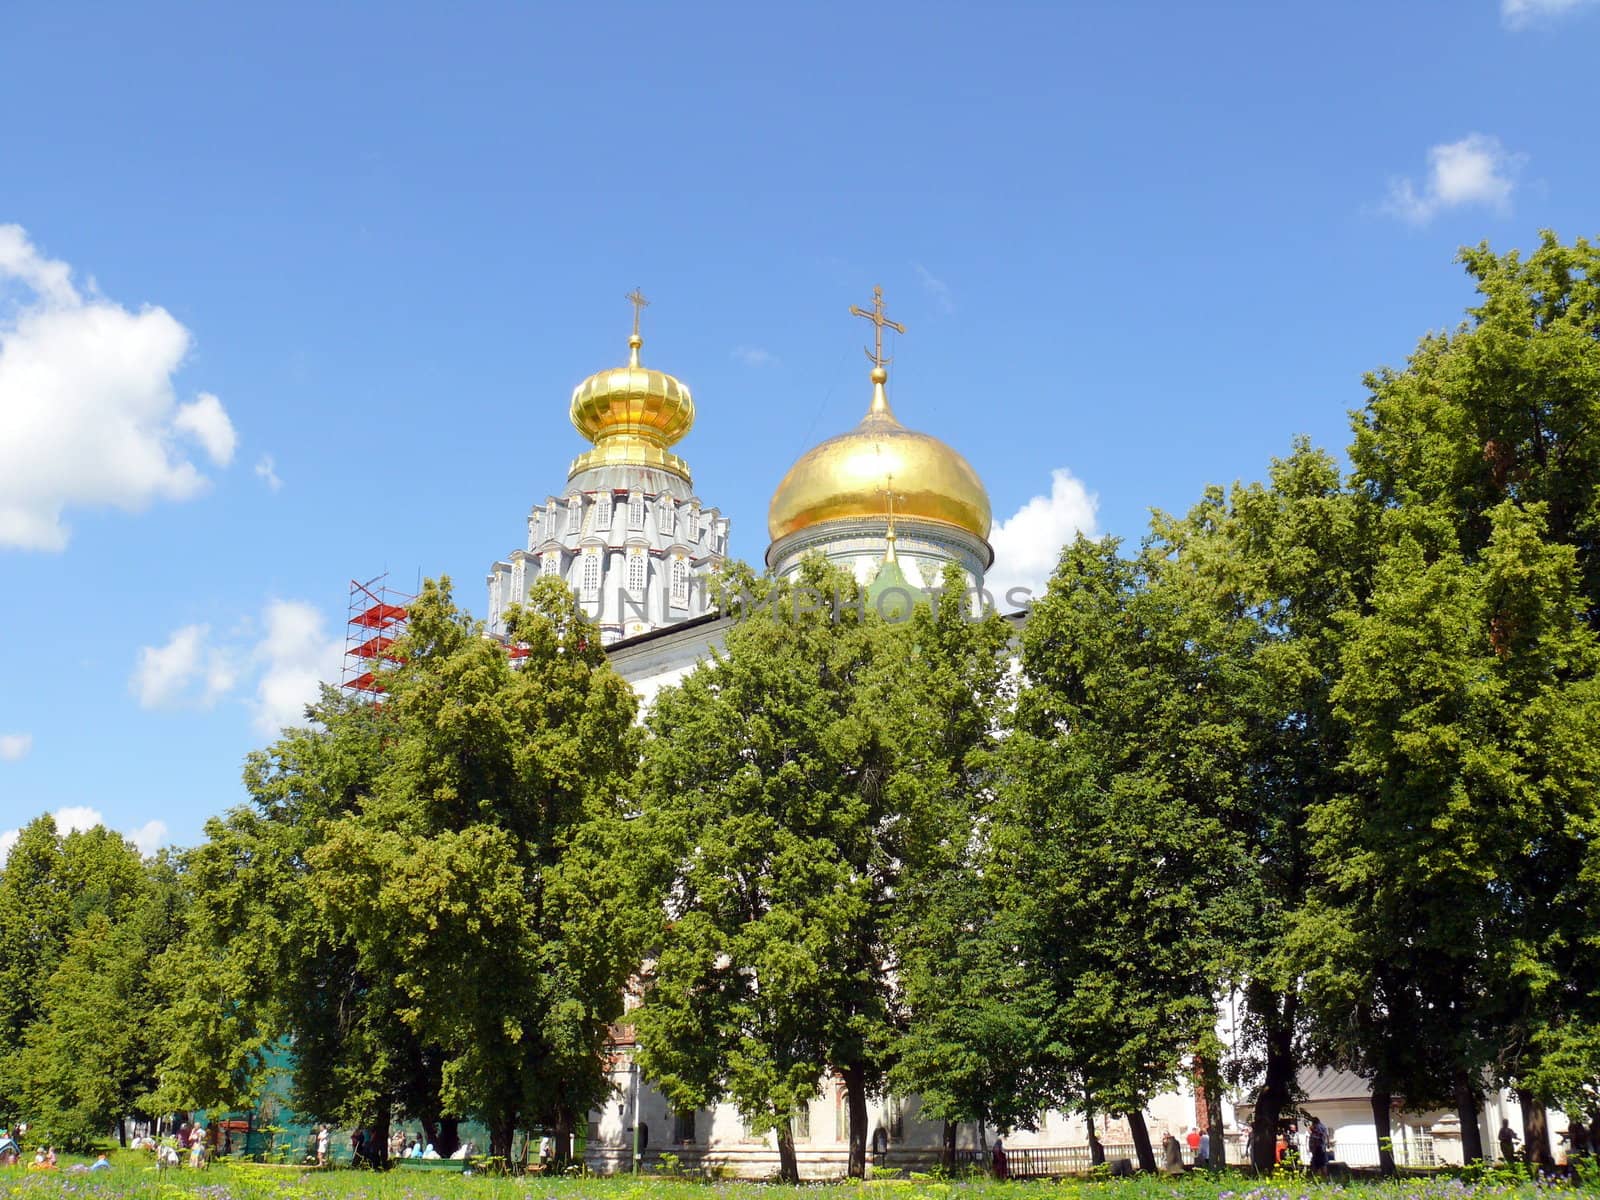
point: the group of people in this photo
(1580, 1143)
(44, 1157)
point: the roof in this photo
(1332, 1085)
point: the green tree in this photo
(970, 1039)
(1282, 563)
(85, 917)
(479, 879)
(776, 841)
(1109, 838)
(1503, 412)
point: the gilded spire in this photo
(880, 364)
(636, 298)
(888, 503)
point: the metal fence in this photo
(1415, 1150)
(1045, 1162)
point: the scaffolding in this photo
(377, 619)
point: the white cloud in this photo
(283, 667)
(187, 671)
(267, 472)
(88, 416)
(205, 419)
(754, 356)
(1477, 170)
(297, 654)
(76, 818)
(1520, 14)
(15, 746)
(149, 837)
(938, 290)
(1027, 545)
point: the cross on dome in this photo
(635, 298)
(879, 320)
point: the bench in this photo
(447, 1165)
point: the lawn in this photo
(134, 1179)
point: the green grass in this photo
(134, 1178)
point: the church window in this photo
(638, 567)
(574, 514)
(683, 1125)
(591, 577)
(692, 524)
(680, 583)
(602, 513)
(550, 564)
(636, 511)
(664, 517)
(801, 1125)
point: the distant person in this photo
(1203, 1156)
(1508, 1141)
(430, 1152)
(1171, 1155)
(322, 1145)
(102, 1163)
(1192, 1140)
(1317, 1145)
(9, 1150)
(997, 1160)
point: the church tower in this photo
(628, 534)
(882, 495)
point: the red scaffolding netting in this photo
(377, 619)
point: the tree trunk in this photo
(122, 1132)
(947, 1152)
(1535, 1133)
(1141, 1141)
(1466, 1097)
(1381, 1105)
(501, 1134)
(855, 1087)
(1212, 1082)
(449, 1139)
(1097, 1151)
(788, 1164)
(1278, 1083)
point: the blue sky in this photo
(291, 294)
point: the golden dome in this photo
(847, 476)
(632, 414)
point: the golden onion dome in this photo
(632, 414)
(847, 476)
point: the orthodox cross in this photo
(879, 321)
(636, 298)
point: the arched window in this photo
(638, 569)
(636, 510)
(574, 514)
(550, 564)
(602, 513)
(591, 576)
(680, 583)
(665, 517)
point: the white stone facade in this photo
(634, 544)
